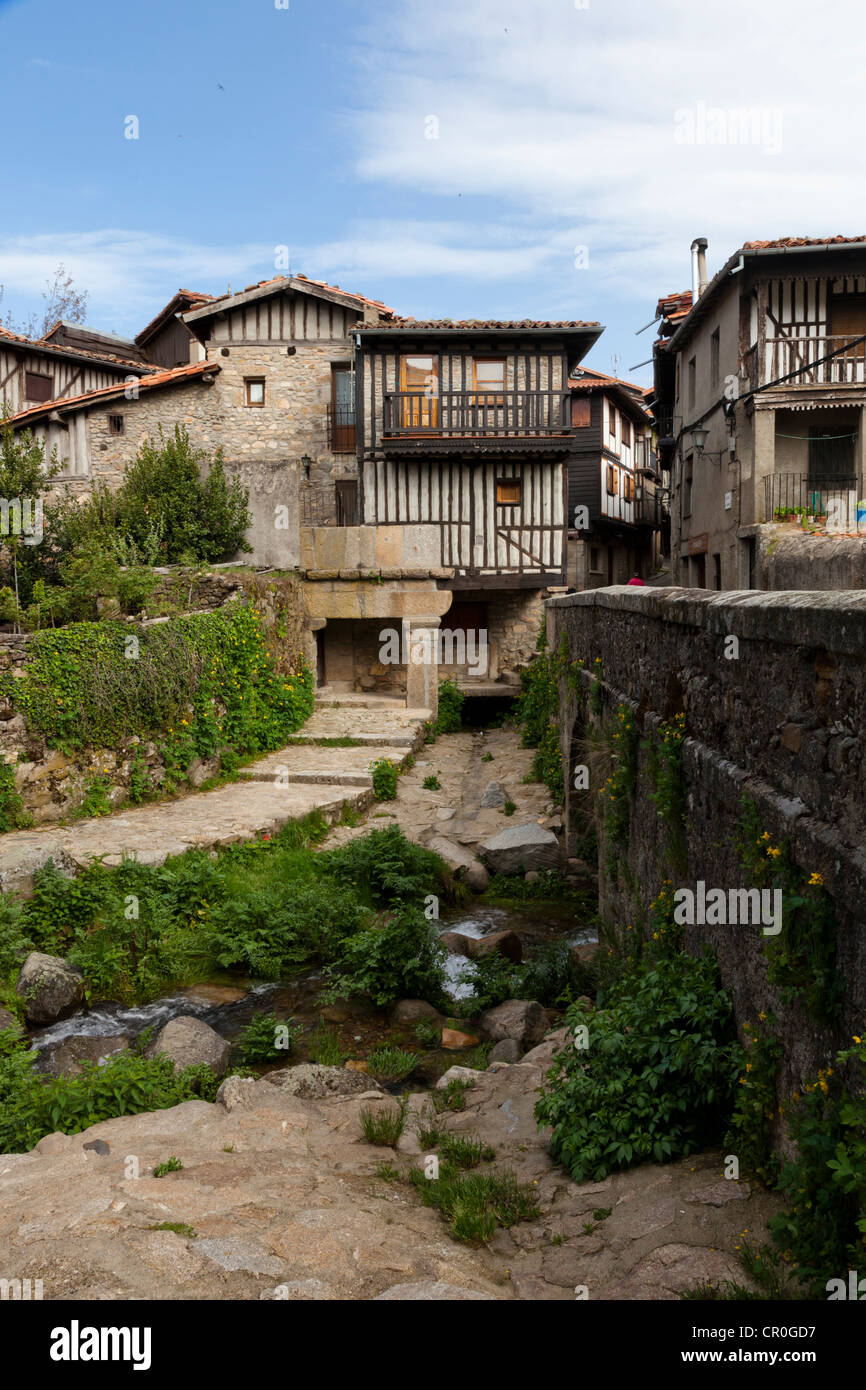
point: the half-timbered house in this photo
(34, 371)
(760, 394)
(616, 502)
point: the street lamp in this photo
(307, 465)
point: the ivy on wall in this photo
(208, 682)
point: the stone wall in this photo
(788, 558)
(777, 716)
(53, 784)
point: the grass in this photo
(465, 1150)
(509, 808)
(452, 1096)
(180, 1228)
(426, 1033)
(601, 1213)
(431, 784)
(474, 1204)
(387, 1172)
(487, 758)
(479, 1057)
(171, 1165)
(325, 1048)
(429, 1133)
(384, 1125)
(391, 1063)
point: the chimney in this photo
(699, 267)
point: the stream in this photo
(110, 1026)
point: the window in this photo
(717, 571)
(626, 433)
(115, 424)
(489, 373)
(255, 390)
(507, 492)
(627, 487)
(714, 357)
(38, 387)
(342, 409)
(419, 383)
(687, 488)
(693, 380)
(611, 420)
(581, 411)
(611, 481)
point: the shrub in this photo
(431, 784)
(32, 1105)
(474, 1204)
(276, 930)
(397, 958)
(171, 1165)
(385, 868)
(449, 717)
(385, 774)
(657, 1080)
(267, 1038)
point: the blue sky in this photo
(622, 128)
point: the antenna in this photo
(615, 359)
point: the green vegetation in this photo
(474, 1204)
(551, 975)
(465, 1150)
(431, 784)
(384, 1125)
(426, 1033)
(451, 1097)
(325, 1048)
(536, 711)
(449, 718)
(180, 1228)
(267, 1038)
(171, 1165)
(665, 768)
(657, 1079)
(391, 1063)
(385, 774)
(509, 808)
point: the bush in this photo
(267, 1038)
(391, 1063)
(657, 1079)
(399, 958)
(385, 774)
(276, 930)
(384, 868)
(449, 717)
(32, 1105)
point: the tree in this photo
(24, 472)
(62, 301)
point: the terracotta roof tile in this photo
(782, 242)
(85, 354)
(320, 284)
(403, 325)
(174, 377)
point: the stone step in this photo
(311, 777)
(395, 739)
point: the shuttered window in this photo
(38, 387)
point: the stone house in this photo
(759, 398)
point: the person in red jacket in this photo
(636, 579)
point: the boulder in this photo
(476, 877)
(459, 860)
(454, 1040)
(50, 988)
(66, 1058)
(466, 1074)
(493, 796)
(524, 1020)
(189, 1041)
(456, 944)
(521, 847)
(311, 1081)
(498, 943)
(413, 1010)
(506, 1050)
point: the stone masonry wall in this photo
(780, 722)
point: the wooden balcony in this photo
(462, 415)
(811, 362)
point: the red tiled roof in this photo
(590, 379)
(401, 325)
(795, 241)
(319, 284)
(190, 299)
(176, 376)
(86, 354)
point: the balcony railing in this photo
(475, 413)
(845, 363)
(650, 508)
(837, 503)
(664, 421)
(330, 504)
(341, 429)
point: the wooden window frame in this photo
(254, 381)
(116, 424)
(509, 483)
(490, 390)
(611, 481)
(626, 433)
(38, 376)
(611, 421)
(627, 487)
(581, 406)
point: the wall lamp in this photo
(307, 463)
